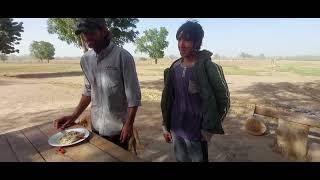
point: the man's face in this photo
(185, 47)
(94, 38)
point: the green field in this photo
(301, 69)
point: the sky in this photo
(225, 36)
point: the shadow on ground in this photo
(235, 145)
(300, 97)
(49, 75)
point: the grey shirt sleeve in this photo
(87, 85)
(130, 79)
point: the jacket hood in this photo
(204, 54)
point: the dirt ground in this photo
(30, 100)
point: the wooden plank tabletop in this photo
(6, 154)
(31, 145)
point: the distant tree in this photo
(3, 57)
(10, 35)
(216, 56)
(153, 42)
(143, 59)
(242, 55)
(122, 30)
(245, 55)
(42, 50)
(261, 56)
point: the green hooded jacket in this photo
(214, 93)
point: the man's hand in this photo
(67, 121)
(126, 132)
(64, 122)
(167, 136)
(127, 128)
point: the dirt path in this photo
(26, 102)
(29, 101)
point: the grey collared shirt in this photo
(110, 78)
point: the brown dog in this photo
(134, 141)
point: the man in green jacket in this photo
(195, 98)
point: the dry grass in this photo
(151, 95)
(148, 71)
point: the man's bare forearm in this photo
(131, 114)
(83, 104)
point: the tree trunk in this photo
(48, 60)
(156, 61)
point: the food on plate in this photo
(70, 137)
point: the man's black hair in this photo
(191, 31)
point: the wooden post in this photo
(292, 139)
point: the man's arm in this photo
(130, 80)
(164, 98)
(67, 121)
(127, 128)
(163, 101)
(83, 104)
(221, 90)
(85, 100)
(132, 91)
(131, 115)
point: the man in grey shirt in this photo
(110, 84)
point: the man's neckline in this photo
(187, 66)
(104, 52)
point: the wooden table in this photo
(31, 145)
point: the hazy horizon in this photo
(225, 36)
